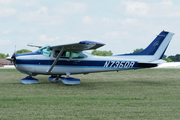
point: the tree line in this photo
(171, 58)
(2, 55)
(101, 53)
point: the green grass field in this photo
(134, 94)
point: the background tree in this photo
(177, 57)
(172, 58)
(23, 51)
(2, 55)
(164, 57)
(138, 50)
(168, 60)
(101, 53)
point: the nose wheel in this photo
(29, 80)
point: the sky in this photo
(123, 25)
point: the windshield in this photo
(45, 51)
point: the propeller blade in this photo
(12, 58)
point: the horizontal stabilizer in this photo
(147, 64)
(152, 64)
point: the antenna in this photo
(15, 47)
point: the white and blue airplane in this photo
(71, 59)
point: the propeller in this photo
(13, 57)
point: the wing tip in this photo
(91, 42)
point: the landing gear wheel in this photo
(71, 81)
(29, 80)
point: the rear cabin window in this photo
(76, 55)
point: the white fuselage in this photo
(39, 64)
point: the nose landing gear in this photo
(29, 80)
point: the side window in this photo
(65, 54)
(76, 55)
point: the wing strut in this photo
(52, 66)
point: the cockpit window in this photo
(45, 51)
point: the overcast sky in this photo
(123, 25)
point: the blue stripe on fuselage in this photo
(61, 62)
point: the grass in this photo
(133, 94)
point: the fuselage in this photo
(37, 63)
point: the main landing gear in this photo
(55, 79)
(71, 81)
(67, 81)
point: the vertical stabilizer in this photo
(157, 47)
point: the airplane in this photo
(72, 58)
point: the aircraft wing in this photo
(81, 46)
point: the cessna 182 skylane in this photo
(71, 59)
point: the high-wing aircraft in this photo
(71, 59)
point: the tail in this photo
(157, 47)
